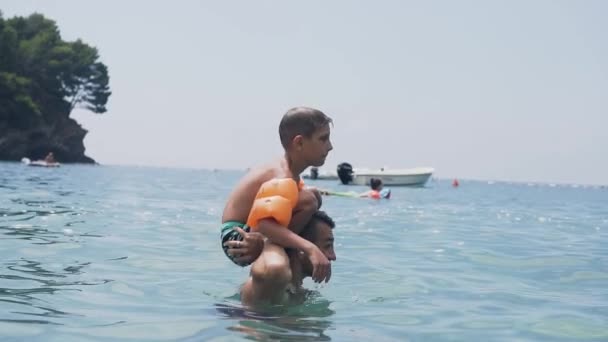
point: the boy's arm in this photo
(283, 237)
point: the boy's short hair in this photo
(310, 232)
(301, 121)
(375, 183)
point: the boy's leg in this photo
(229, 234)
(308, 203)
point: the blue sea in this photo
(108, 253)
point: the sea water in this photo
(102, 253)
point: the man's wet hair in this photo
(301, 121)
(310, 230)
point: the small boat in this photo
(406, 177)
(390, 177)
(39, 163)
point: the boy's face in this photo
(316, 148)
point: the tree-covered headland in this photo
(42, 80)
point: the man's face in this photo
(324, 239)
(317, 146)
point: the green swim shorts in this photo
(229, 234)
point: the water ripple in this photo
(119, 253)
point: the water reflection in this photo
(26, 281)
(305, 322)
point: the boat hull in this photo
(322, 176)
(418, 178)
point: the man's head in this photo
(305, 132)
(319, 231)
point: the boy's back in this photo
(241, 199)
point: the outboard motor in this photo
(314, 173)
(345, 173)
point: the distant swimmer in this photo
(455, 183)
(50, 158)
(377, 190)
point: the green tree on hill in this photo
(42, 79)
(40, 72)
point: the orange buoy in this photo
(455, 183)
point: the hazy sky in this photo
(508, 90)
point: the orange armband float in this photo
(275, 199)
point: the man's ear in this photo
(297, 141)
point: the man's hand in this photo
(245, 252)
(321, 268)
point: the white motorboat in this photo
(406, 177)
(390, 177)
(39, 163)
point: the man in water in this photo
(304, 134)
(276, 277)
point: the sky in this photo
(489, 90)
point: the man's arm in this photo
(270, 275)
(283, 237)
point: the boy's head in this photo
(376, 184)
(305, 131)
(319, 231)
